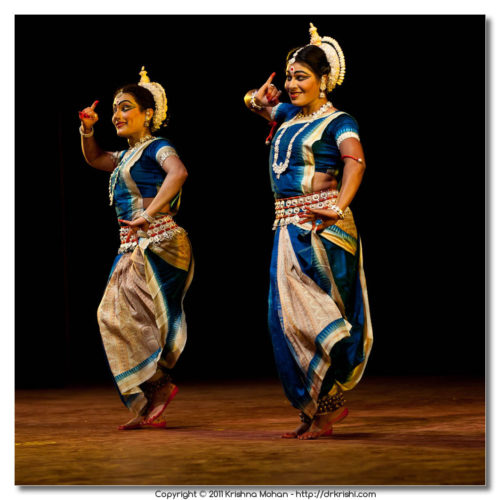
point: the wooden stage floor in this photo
(400, 431)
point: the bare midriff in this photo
(147, 201)
(323, 181)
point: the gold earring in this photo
(322, 88)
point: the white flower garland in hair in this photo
(159, 96)
(336, 59)
(334, 56)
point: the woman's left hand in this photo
(139, 224)
(329, 217)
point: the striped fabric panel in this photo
(139, 367)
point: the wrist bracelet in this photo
(86, 135)
(147, 217)
(338, 210)
(253, 104)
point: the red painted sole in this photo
(151, 421)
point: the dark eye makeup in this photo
(124, 106)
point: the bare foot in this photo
(134, 423)
(159, 403)
(303, 427)
(323, 424)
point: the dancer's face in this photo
(127, 116)
(302, 85)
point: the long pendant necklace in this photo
(113, 178)
(279, 168)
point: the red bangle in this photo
(359, 160)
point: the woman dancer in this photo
(141, 317)
(319, 317)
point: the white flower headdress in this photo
(333, 53)
(160, 98)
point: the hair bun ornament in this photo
(158, 92)
(334, 55)
(315, 38)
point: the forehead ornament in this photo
(117, 98)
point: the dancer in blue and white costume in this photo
(141, 315)
(319, 318)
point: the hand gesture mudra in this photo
(137, 228)
(328, 217)
(88, 116)
(268, 94)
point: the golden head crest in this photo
(315, 38)
(144, 76)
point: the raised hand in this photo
(268, 94)
(88, 116)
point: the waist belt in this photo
(163, 228)
(287, 209)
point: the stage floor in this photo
(400, 431)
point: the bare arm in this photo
(176, 177)
(93, 154)
(351, 180)
(353, 171)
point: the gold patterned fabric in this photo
(141, 317)
(319, 317)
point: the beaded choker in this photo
(142, 140)
(319, 111)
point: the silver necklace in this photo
(279, 168)
(113, 178)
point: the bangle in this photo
(147, 217)
(359, 160)
(339, 211)
(89, 134)
(253, 104)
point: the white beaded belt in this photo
(163, 228)
(288, 209)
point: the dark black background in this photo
(414, 83)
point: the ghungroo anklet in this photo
(149, 388)
(305, 419)
(329, 404)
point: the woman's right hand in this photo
(88, 116)
(268, 94)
